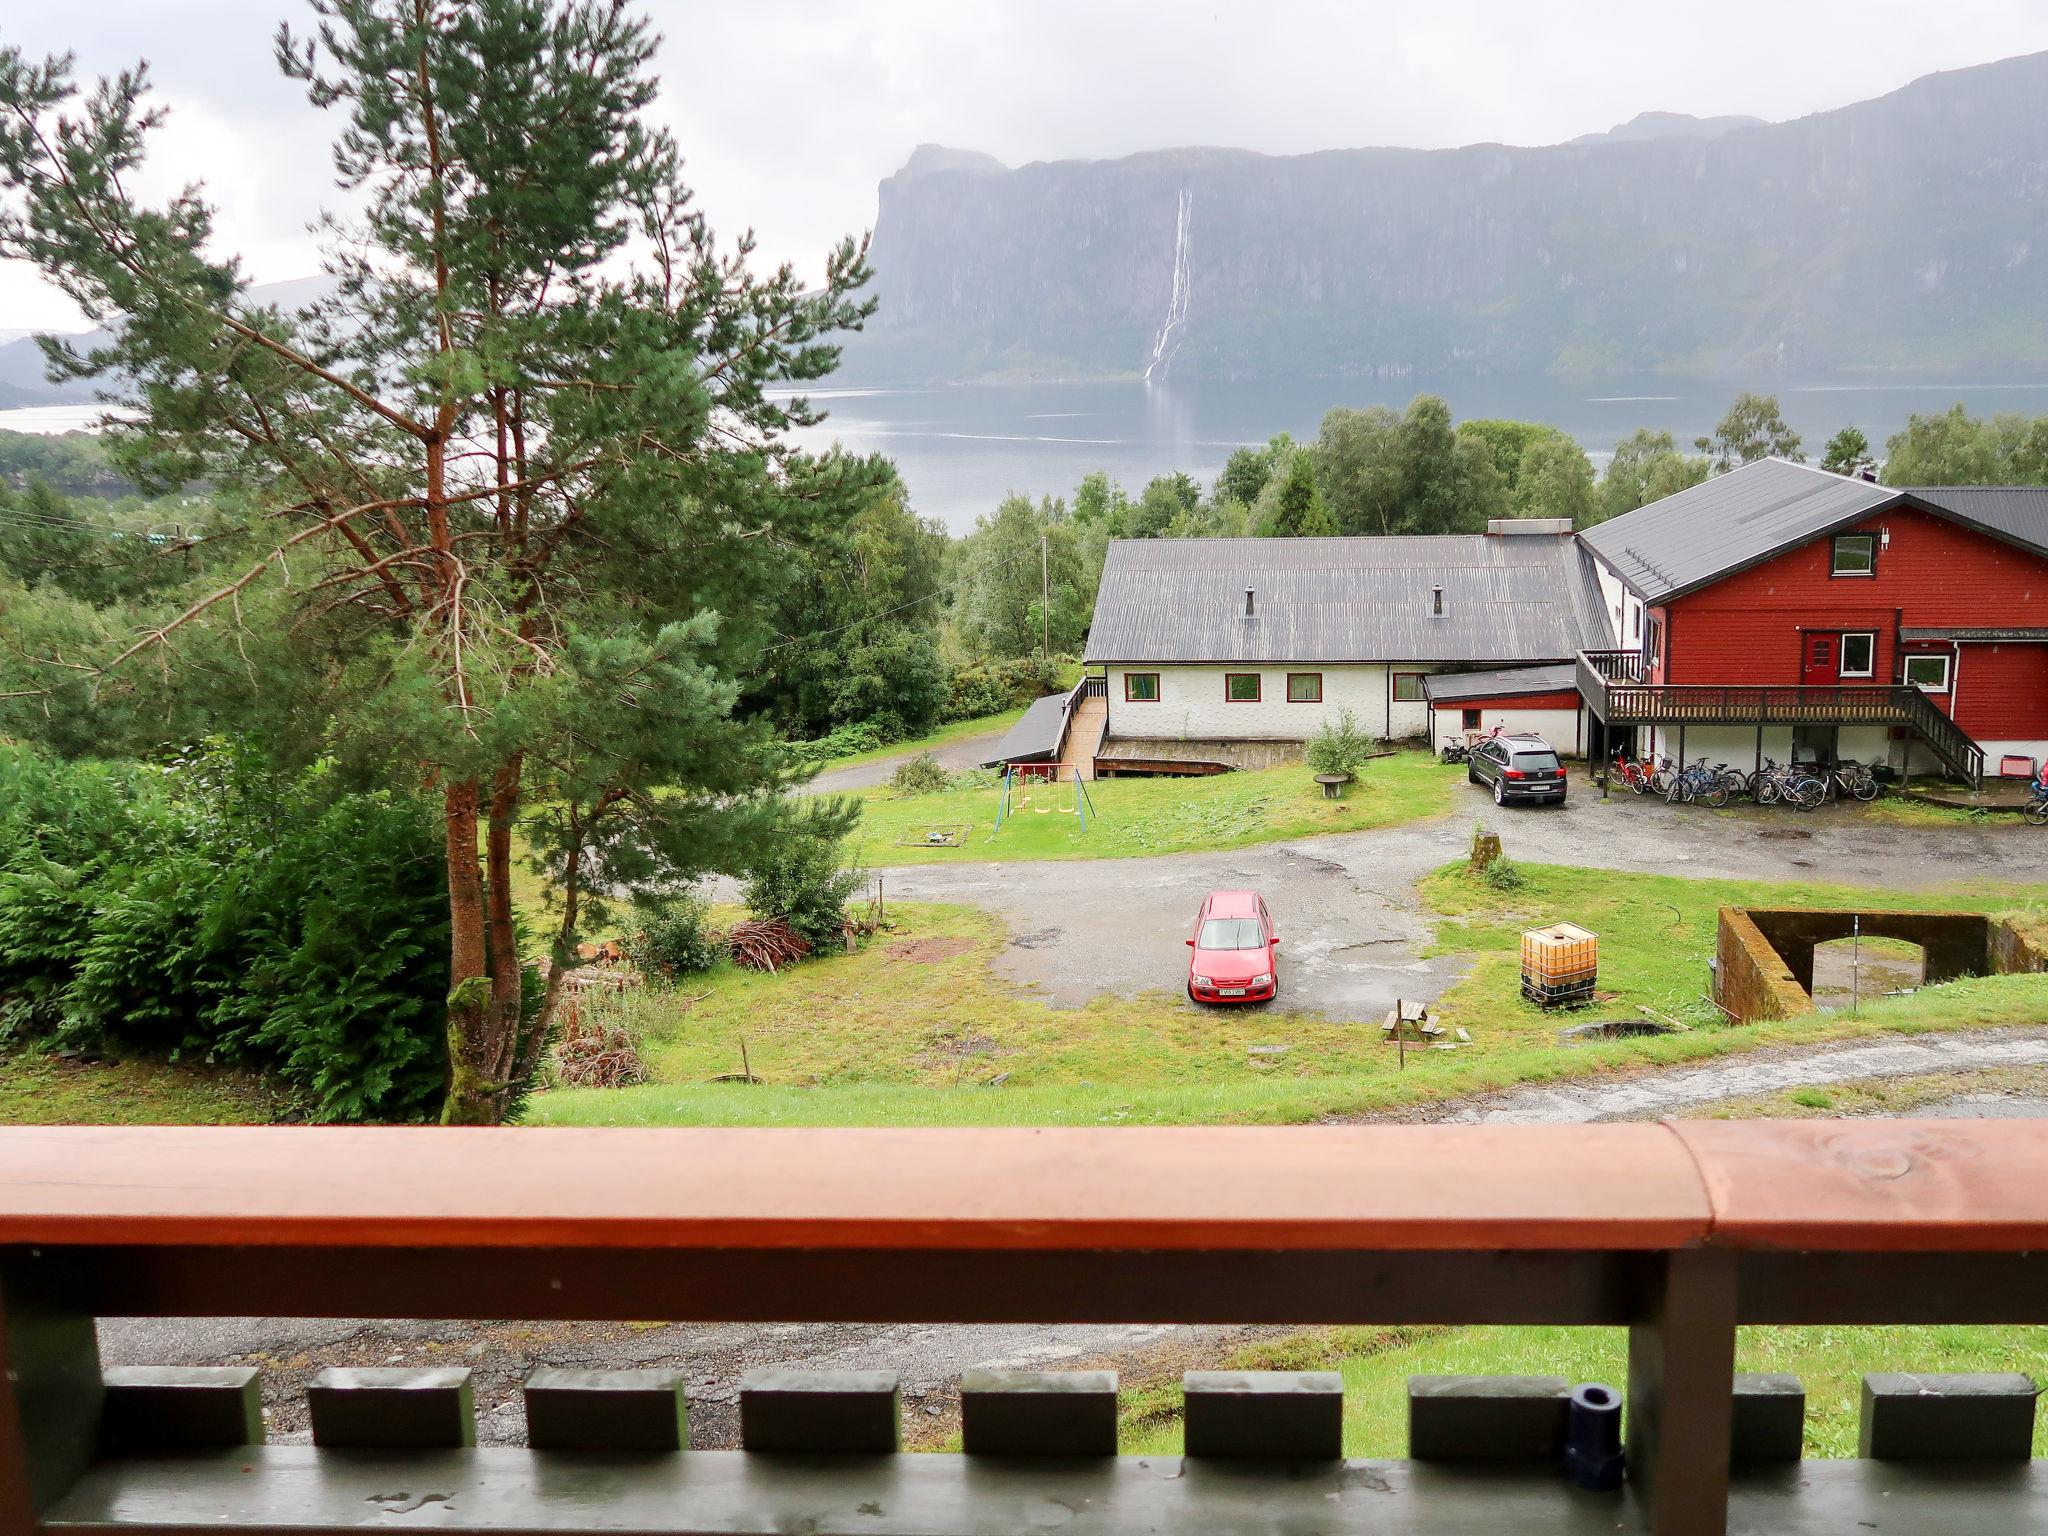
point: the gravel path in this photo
(1351, 926)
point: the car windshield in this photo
(1536, 760)
(1231, 933)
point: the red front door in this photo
(1820, 663)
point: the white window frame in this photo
(1835, 554)
(1947, 671)
(1869, 669)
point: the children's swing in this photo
(1039, 789)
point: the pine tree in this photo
(527, 484)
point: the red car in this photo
(1233, 944)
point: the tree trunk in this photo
(505, 959)
(474, 1098)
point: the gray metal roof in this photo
(1036, 735)
(2018, 513)
(1529, 598)
(1731, 521)
(1499, 682)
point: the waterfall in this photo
(1168, 340)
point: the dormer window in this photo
(1855, 554)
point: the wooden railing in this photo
(1608, 681)
(1678, 1232)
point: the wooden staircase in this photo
(1087, 719)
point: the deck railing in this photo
(1610, 683)
(1680, 1233)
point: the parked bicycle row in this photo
(1804, 787)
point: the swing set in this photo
(1040, 789)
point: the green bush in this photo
(920, 775)
(846, 741)
(209, 909)
(1503, 874)
(1338, 746)
(674, 938)
(990, 687)
(801, 875)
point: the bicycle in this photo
(1788, 784)
(2036, 810)
(1455, 752)
(1634, 774)
(1853, 779)
(1699, 784)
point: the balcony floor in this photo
(715, 1493)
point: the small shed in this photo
(1543, 700)
(1036, 738)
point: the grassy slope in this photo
(1132, 817)
(879, 1038)
(46, 1090)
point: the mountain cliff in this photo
(1906, 232)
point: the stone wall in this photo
(1751, 979)
(1763, 956)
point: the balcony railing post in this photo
(1681, 1392)
(50, 1387)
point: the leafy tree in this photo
(1247, 470)
(1165, 498)
(1507, 443)
(1555, 480)
(1754, 428)
(1956, 448)
(1847, 453)
(1359, 468)
(1099, 502)
(1001, 607)
(1291, 507)
(1409, 473)
(1646, 467)
(520, 480)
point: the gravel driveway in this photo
(1350, 923)
(966, 752)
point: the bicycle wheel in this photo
(2037, 814)
(1715, 793)
(1661, 782)
(1866, 789)
(1766, 791)
(1807, 794)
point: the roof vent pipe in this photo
(1247, 602)
(1436, 605)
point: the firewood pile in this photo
(766, 944)
(593, 1054)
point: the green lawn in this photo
(932, 1036)
(1376, 1365)
(1132, 817)
(36, 1089)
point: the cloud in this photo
(791, 110)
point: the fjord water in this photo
(962, 448)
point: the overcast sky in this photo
(791, 110)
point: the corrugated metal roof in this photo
(2015, 512)
(1728, 522)
(1036, 734)
(1532, 598)
(2010, 632)
(1500, 682)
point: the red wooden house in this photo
(1782, 611)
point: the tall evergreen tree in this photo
(522, 471)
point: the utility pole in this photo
(1044, 599)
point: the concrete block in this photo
(1287, 1415)
(1038, 1413)
(1487, 1418)
(821, 1412)
(392, 1408)
(151, 1408)
(606, 1410)
(1770, 1421)
(1955, 1417)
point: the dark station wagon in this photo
(1518, 768)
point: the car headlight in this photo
(1203, 981)
(1264, 978)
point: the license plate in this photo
(1230, 991)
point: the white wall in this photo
(1560, 727)
(1191, 705)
